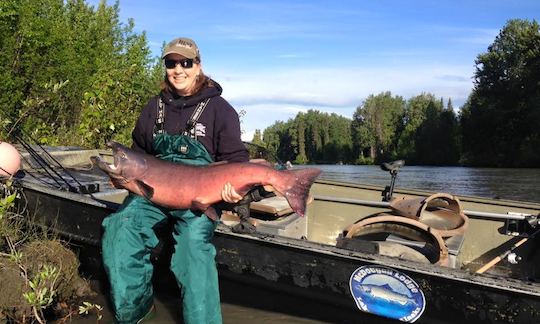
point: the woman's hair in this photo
(201, 82)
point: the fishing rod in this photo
(506, 254)
(20, 174)
(46, 166)
(39, 160)
(6, 171)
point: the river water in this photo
(515, 184)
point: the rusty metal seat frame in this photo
(409, 228)
(442, 205)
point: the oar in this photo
(385, 204)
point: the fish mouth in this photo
(114, 146)
(116, 154)
(109, 168)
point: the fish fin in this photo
(198, 204)
(146, 190)
(211, 213)
(206, 208)
(296, 187)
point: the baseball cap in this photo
(183, 46)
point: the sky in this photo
(276, 58)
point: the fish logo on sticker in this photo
(387, 292)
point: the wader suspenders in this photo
(159, 126)
(190, 125)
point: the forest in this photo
(74, 74)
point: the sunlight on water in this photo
(515, 184)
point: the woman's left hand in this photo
(230, 195)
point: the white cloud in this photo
(269, 96)
(468, 35)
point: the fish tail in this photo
(296, 187)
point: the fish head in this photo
(127, 164)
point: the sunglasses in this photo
(184, 63)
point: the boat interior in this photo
(470, 233)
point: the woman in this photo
(188, 122)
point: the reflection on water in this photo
(515, 184)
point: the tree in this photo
(280, 138)
(376, 125)
(72, 74)
(338, 145)
(257, 148)
(501, 117)
(300, 132)
(311, 137)
(449, 105)
(417, 110)
(436, 139)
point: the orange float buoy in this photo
(10, 160)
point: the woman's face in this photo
(181, 73)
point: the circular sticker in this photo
(387, 292)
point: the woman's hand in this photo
(230, 195)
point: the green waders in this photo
(129, 238)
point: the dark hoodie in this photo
(218, 128)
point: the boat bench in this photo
(272, 216)
(453, 243)
(277, 206)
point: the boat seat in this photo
(272, 216)
(271, 208)
(442, 211)
(453, 244)
(431, 242)
(277, 206)
(392, 166)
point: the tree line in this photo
(73, 74)
(498, 126)
(421, 130)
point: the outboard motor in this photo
(393, 168)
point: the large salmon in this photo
(180, 186)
